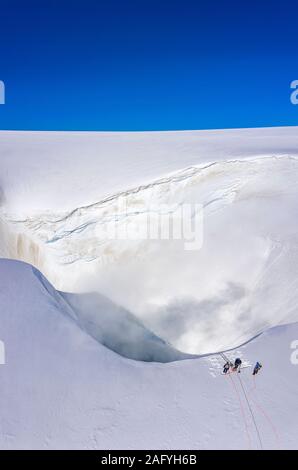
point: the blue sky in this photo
(147, 65)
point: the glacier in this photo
(129, 317)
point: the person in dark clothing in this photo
(238, 363)
(257, 367)
(226, 367)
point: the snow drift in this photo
(58, 209)
(80, 319)
(61, 389)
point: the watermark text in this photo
(2, 353)
(294, 94)
(155, 222)
(2, 92)
(294, 355)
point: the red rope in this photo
(242, 412)
(275, 432)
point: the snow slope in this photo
(63, 170)
(60, 195)
(60, 388)
(86, 305)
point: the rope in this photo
(265, 415)
(248, 404)
(225, 358)
(242, 412)
(251, 412)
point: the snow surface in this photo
(62, 389)
(60, 195)
(62, 385)
(63, 170)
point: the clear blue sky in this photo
(147, 65)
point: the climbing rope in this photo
(266, 416)
(242, 412)
(247, 401)
(251, 412)
(225, 358)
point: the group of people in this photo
(237, 365)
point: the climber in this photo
(237, 365)
(257, 367)
(226, 367)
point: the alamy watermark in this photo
(2, 92)
(294, 94)
(2, 353)
(155, 222)
(294, 355)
